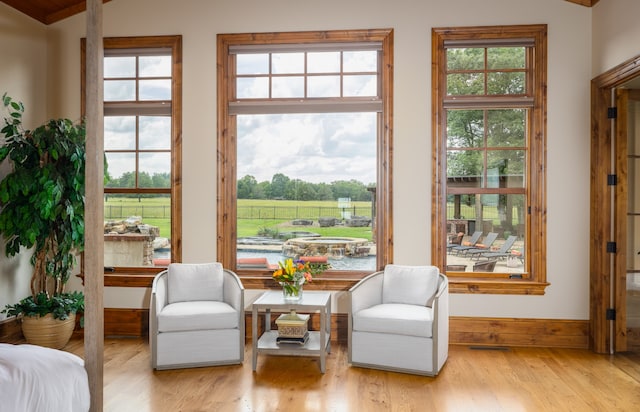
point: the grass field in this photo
(155, 211)
(270, 214)
(255, 215)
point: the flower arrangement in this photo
(293, 274)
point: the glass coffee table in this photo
(319, 342)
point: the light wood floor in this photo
(515, 379)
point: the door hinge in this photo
(611, 314)
(612, 247)
(612, 180)
(612, 113)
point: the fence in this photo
(244, 212)
(300, 212)
(145, 211)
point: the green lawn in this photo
(155, 211)
(279, 214)
(251, 227)
(256, 215)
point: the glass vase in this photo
(292, 291)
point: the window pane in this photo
(464, 168)
(465, 84)
(252, 87)
(252, 63)
(323, 86)
(155, 89)
(283, 63)
(145, 220)
(501, 244)
(324, 62)
(505, 168)
(360, 86)
(465, 128)
(360, 61)
(115, 67)
(506, 58)
(293, 169)
(119, 90)
(155, 132)
(506, 128)
(119, 132)
(120, 170)
(506, 83)
(155, 66)
(465, 59)
(155, 170)
(290, 86)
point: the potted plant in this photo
(42, 208)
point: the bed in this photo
(34, 378)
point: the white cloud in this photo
(312, 147)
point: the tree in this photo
(246, 187)
(353, 189)
(279, 186)
(297, 189)
(324, 192)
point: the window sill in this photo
(496, 286)
(344, 281)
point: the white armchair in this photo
(196, 317)
(399, 320)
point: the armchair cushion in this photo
(395, 318)
(412, 285)
(198, 315)
(195, 282)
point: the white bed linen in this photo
(38, 379)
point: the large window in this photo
(142, 152)
(489, 157)
(304, 149)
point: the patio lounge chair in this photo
(487, 266)
(464, 246)
(481, 247)
(501, 253)
(455, 240)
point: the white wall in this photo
(23, 62)
(198, 21)
(616, 33)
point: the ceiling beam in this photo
(588, 3)
(48, 12)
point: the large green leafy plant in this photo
(42, 202)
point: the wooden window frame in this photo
(535, 264)
(226, 140)
(143, 276)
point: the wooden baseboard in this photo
(462, 330)
(126, 322)
(519, 332)
(11, 331)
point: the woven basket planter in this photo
(47, 331)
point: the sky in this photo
(154, 132)
(314, 148)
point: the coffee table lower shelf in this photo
(267, 344)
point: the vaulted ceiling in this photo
(51, 11)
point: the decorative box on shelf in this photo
(292, 328)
